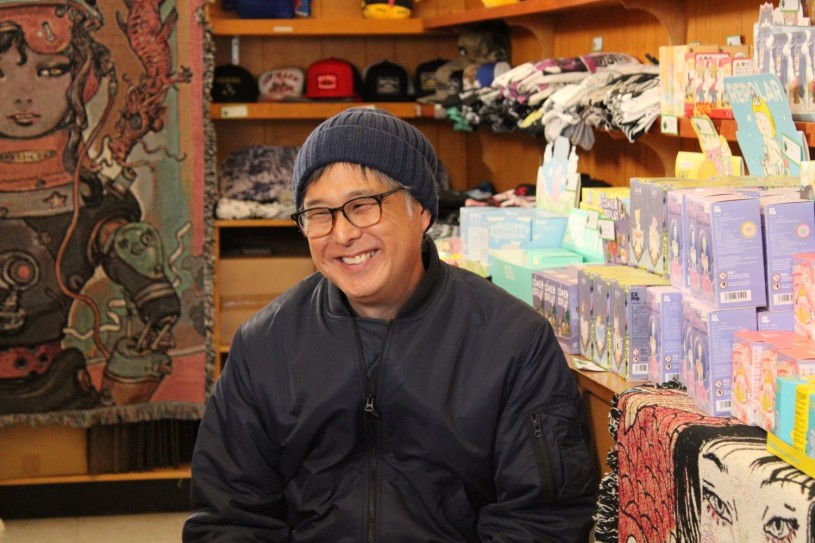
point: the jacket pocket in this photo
(564, 463)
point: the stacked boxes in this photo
(748, 352)
(484, 229)
(803, 285)
(512, 269)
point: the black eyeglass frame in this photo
(298, 216)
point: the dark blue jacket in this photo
(458, 420)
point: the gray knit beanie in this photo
(378, 140)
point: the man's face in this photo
(35, 94)
(741, 504)
(377, 267)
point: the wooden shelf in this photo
(157, 474)
(727, 128)
(509, 11)
(312, 110)
(229, 24)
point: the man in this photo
(389, 397)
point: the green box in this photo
(512, 269)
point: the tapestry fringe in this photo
(86, 418)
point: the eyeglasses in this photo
(362, 212)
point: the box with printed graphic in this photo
(772, 321)
(711, 364)
(484, 229)
(512, 269)
(664, 333)
(803, 286)
(630, 348)
(796, 360)
(560, 305)
(748, 351)
(788, 224)
(725, 250)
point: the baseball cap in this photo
(385, 82)
(233, 83)
(260, 173)
(425, 76)
(333, 78)
(281, 84)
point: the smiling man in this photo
(389, 397)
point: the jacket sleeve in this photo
(236, 487)
(545, 477)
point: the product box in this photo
(484, 229)
(588, 276)
(560, 306)
(788, 226)
(775, 320)
(601, 310)
(583, 236)
(803, 285)
(630, 347)
(748, 351)
(797, 360)
(712, 348)
(786, 407)
(799, 422)
(726, 249)
(512, 269)
(543, 295)
(664, 333)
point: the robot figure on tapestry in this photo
(100, 277)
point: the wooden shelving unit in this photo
(313, 110)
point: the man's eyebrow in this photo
(320, 202)
(715, 459)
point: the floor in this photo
(154, 527)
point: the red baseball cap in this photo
(333, 78)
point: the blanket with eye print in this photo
(681, 475)
(105, 190)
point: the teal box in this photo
(485, 229)
(785, 406)
(512, 269)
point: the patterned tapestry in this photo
(680, 475)
(104, 184)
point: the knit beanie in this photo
(378, 140)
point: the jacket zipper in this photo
(372, 427)
(542, 456)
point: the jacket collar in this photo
(424, 293)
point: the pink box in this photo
(748, 348)
(803, 288)
(797, 360)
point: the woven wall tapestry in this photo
(681, 475)
(103, 206)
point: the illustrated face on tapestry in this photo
(730, 505)
(34, 89)
(101, 244)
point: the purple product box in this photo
(788, 229)
(543, 296)
(712, 350)
(629, 331)
(664, 333)
(601, 334)
(686, 362)
(566, 311)
(725, 249)
(657, 234)
(640, 218)
(558, 304)
(585, 284)
(775, 321)
(676, 227)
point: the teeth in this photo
(359, 259)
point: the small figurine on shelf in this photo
(387, 9)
